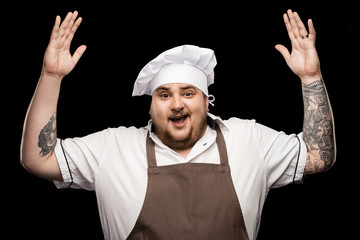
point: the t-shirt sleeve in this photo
(284, 155)
(79, 159)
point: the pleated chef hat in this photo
(183, 64)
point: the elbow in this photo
(328, 156)
(30, 158)
(38, 166)
(25, 155)
(31, 161)
(24, 159)
(27, 163)
(330, 159)
(319, 161)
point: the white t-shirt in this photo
(113, 163)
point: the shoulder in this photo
(244, 126)
(125, 135)
(104, 138)
(237, 128)
(233, 123)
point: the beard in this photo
(195, 133)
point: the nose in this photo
(177, 103)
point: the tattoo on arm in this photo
(48, 137)
(318, 128)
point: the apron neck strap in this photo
(150, 151)
(220, 141)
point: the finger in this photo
(74, 16)
(284, 51)
(57, 24)
(288, 26)
(293, 24)
(78, 53)
(300, 25)
(76, 25)
(74, 28)
(55, 30)
(65, 24)
(71, 24)
(312, 32)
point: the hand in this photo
(303, 60)
(58, 60)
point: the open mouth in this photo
(179, 120)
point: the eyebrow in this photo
(182, 88)
(188, 87)
(161, 89)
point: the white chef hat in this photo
(183, 64)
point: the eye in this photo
(164, 95)
(189, 94)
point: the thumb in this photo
(284, 51)
(78, 53)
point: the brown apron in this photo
(194, 201)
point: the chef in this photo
(188, 174)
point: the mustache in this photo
(178, 115)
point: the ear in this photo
(150, 110)
(207, 103)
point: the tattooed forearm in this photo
(48, 136)
(318, 131)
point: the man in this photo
(188, 174)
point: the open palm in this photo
(303, 59)
(58, 59)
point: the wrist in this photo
(51, 76)
(310, 79)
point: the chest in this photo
(121, 185)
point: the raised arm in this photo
(318, 126)
(39, 133)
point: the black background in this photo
(252, 81)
